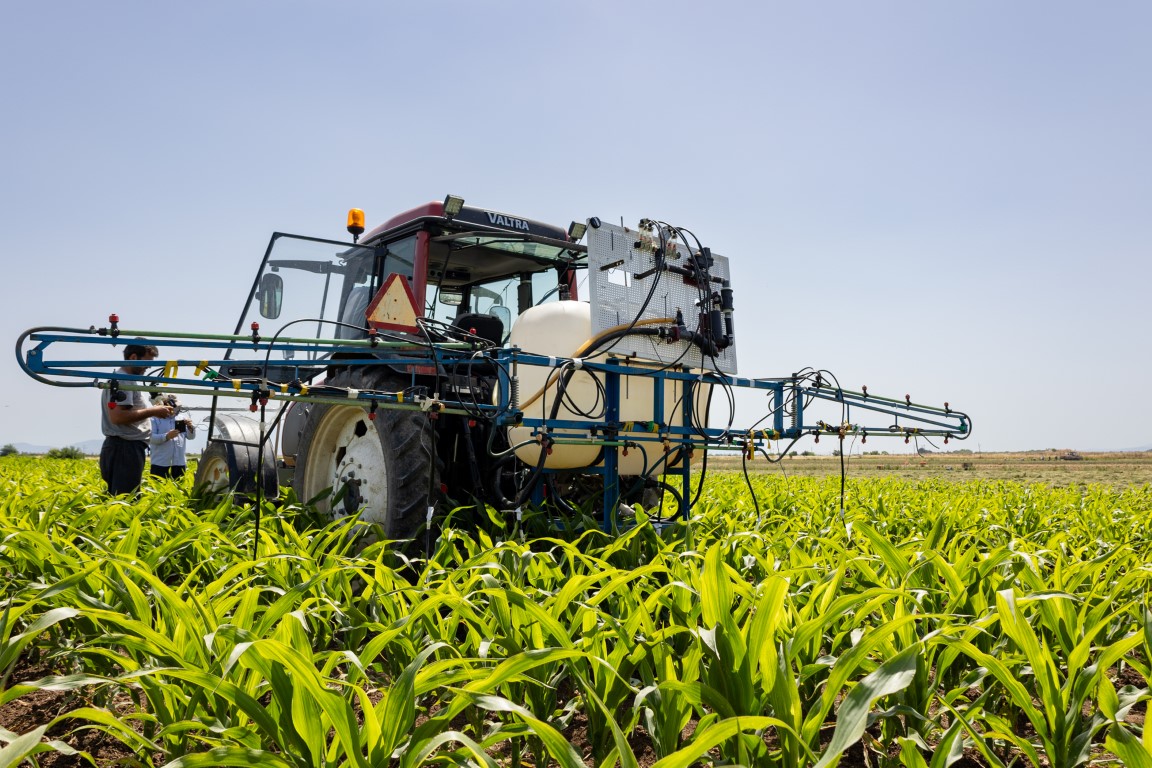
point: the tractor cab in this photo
(423, 275)
(440, 264)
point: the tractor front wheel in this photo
(376, 468)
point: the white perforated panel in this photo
(622, 287)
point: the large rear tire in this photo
(379, 469)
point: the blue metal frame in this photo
(789, 396)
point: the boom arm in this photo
(240, 366)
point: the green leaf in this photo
(558, 747)
(716, 733)
(892, 676)
(254, 758)
(1130, 750)
(417, 754)
(910, 754)
(399, 713)
(22, 746)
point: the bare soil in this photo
(1056, 467)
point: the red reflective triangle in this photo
(394, 306)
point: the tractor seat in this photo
(488, 327)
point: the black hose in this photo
(56, 329)
(554, 411)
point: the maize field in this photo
(929, 624)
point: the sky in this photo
(951, 200)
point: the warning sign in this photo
(394, 308)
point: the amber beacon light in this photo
(355, 223)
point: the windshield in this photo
(492, 274)
(500, 298)
(315, 288)
(326, 285)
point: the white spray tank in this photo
(561, 329)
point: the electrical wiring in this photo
(563, 376)
(705, 300)
(599, 407)
(675, 494)
(476, 412)
(669, 457)
(429, 424)
(748, 481)
(658, 258)
(276, 336)
(592, 344)
(470, 382)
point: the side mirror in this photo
(505, 315)
(270, 294)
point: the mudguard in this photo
(235, 460)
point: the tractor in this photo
(449, 356)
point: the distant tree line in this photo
(71, 452)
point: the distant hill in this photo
(91, 447)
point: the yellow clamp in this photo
(203, 366)
(303, 389)
(400, 396)
(171, 369)
(236, 384)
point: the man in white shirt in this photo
(169, 441)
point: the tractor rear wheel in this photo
(376, 468)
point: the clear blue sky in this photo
(952, 200)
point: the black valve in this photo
(113, 325)
(255, 333)
(115, 395)
(259, 399)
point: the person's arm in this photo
(191, 433)
(126, 414)
(159, 434)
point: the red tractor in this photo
(438, 273)
(448, 356)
